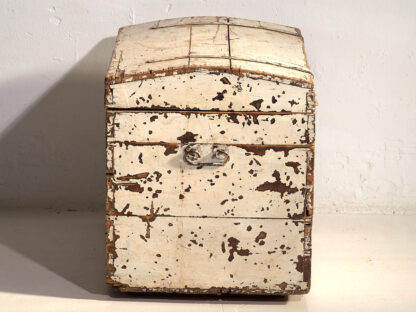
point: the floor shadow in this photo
(53, 155)
(52, 185)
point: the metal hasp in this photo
(206, 155)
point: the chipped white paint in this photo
(146, 175)
(224, 128)
(205, 253)
(199, 91)
(180, 216)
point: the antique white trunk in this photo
(210, 144)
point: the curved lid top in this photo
(186, 44)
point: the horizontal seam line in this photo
(266, 146)
(188, 111)
(210, 217)
(294, 67)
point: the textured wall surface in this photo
(55, 53)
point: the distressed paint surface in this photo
(270, 47)
(153, 50)
(209, 40)
(188, 252)
(264, 182)
(223, 128)
(220, 20)
(200, 91)
(178, 91)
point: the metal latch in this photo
(206, 154)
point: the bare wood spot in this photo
(150, 218)
(277, 186)
(262, 235)
(134, 176)
(233, 243)
(225, 80)
(294, 165)
(170, 149)
(187, 137)
(257, 104)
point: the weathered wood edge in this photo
(216, 290)
(227, 22)
(171, 71)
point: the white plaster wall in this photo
(54, 55)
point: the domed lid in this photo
(184, 45)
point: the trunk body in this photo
(210, 152)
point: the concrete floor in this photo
(54, 261)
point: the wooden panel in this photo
(201, 254)
(267, 47)
(139, 49)
(257, 181)
(199, 91)
(209, 40)
(124, 39)
(264, 25)
(222, 128)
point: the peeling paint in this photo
(248, 217)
